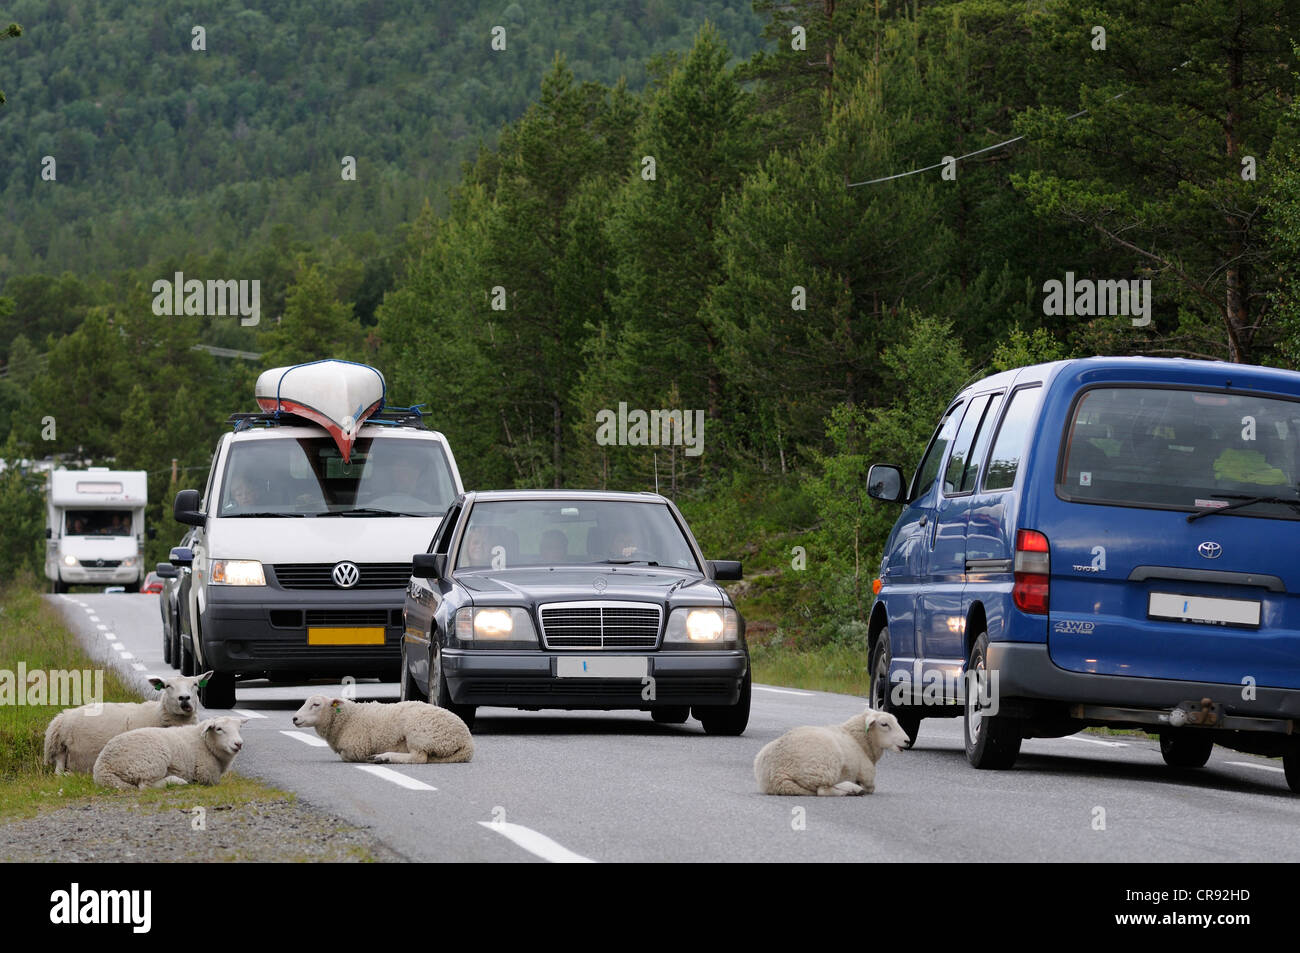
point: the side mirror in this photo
(428, 565)
(885, 482)
(166, 571)
(186, 508)
(725, 568)
(49, 533)
(181, 556)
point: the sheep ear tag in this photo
(203, 683)
(336, 704)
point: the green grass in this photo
(31, 632)
(826, 668)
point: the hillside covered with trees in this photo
(729, 230)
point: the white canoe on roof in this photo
(338, 395)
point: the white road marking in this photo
(138, 667)
(782, 691)
(110, 636)
(536, 843)
(247, 714)
(102, 628)
(94, 618)
(1097, 741)
(388, 774)
(1257, 767)
(88, 611)
(127, 656)
(313, 740)
(118, 646)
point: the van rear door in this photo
(1137, 588)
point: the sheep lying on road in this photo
(158, 757)
(831, 760)
(76, 736)
(402, 733)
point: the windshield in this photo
(1182, 449)
(96, 523)
(507, 534)
(307, 477)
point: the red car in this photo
(152, 583)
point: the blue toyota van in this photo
(1110, 541)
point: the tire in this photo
(1291, 764)
(727, 719)
(408, 691)
(60, 586)
(187, 658)
(440, 694)
(909, 716)
(992, 742)
(219, 692)
(167, 645)
(1186, 749)
(671, 714)
(175, 636)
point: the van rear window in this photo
(1182, 449)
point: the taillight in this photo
(1033, 569)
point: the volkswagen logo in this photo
(1210, 550)
(346, 575)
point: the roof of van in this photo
(1162, 369)
(302, 431)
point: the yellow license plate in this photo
(350, 635)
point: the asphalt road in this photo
(617, 787)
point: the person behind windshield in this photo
(477, 549)
(242, 493)
(554, 547)
(402, 477)
(626, 544)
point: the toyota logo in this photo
(346, 575)
(1210, 550)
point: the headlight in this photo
(702, 626)
(237, 572)
(495, 624)
(129, 561)
(69, 560)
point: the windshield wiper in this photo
(372, 511)
(623, 562)
(1243, 500)
(260, 515)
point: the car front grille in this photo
(269, 650)
(100, 563)
(351, 617)
(600, 625)
(320, 575)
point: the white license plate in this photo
(616, 666)
(1168, 605)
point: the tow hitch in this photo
(1202, 714)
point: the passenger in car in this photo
(554, 547)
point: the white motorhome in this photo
(94, 527)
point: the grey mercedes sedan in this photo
(573, 599)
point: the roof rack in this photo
(388, 417)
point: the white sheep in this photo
(401, 733)
(829, 760)
(76, 736)
(158, 757)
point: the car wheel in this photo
(187, 658)
(727, 719)
(992, 741)
(60, 586)
(218, 691)
(671, 714)
(440, 692)
(1189, 749)
(167, 646)
(1291, 764)
(909, 718)
(408, 690)
(175, 636)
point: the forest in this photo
(811, 222)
